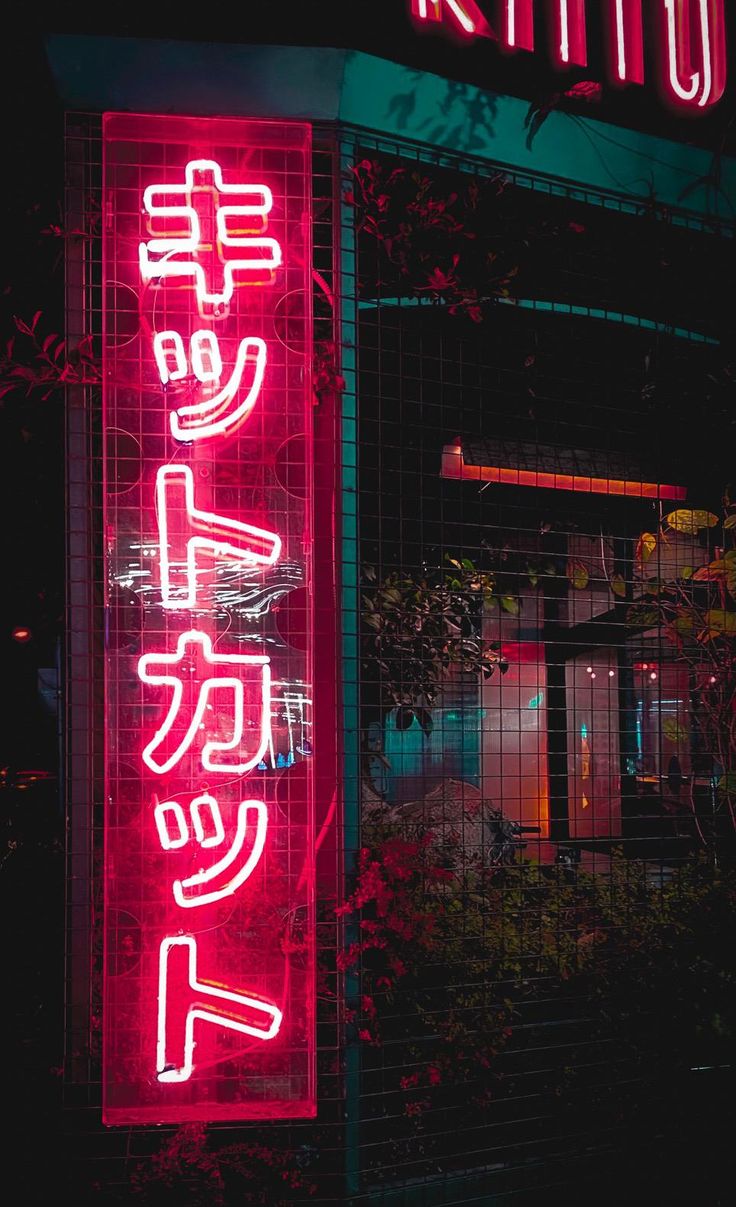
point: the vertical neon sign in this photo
(209, 918)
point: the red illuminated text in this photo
(690, 46)
(209, 846)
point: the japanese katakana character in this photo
(227, 874)
(222, 413)
(185, 533)
(189, 710)
(214, 245)
(183, 1000)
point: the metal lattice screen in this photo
(511, 452)
(284, 1162)
(517, 808)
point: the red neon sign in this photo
(690, 39)
(209, 926)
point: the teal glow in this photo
(639, 720)
(550, 307)
(584, 731)
(537, 701)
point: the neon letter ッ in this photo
(185, 533)
(222, 413)
(183, 1000)
(224, 877)
(191, 697)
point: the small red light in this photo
(21, 634)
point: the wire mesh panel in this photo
(529, 771)
(209, 965)
(294, 1159)
(537, 783)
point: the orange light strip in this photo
(453, 466)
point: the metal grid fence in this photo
(525, 814)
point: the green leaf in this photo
(686, 572)
(707, 574)
(641, 616)
(721, 622)
(684, 623)
(653, 586)
(646, 545)
(578, 575)
(730, 521)
(690, 522)
(618, 586)
(673, 731)
(509, 604)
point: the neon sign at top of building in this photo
(690, 41)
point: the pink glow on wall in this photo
(209, 777)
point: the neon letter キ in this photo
(184, 1000)
(185, 533)
(703, 86)
(193, 203)
(176, 670)
(465, 15)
